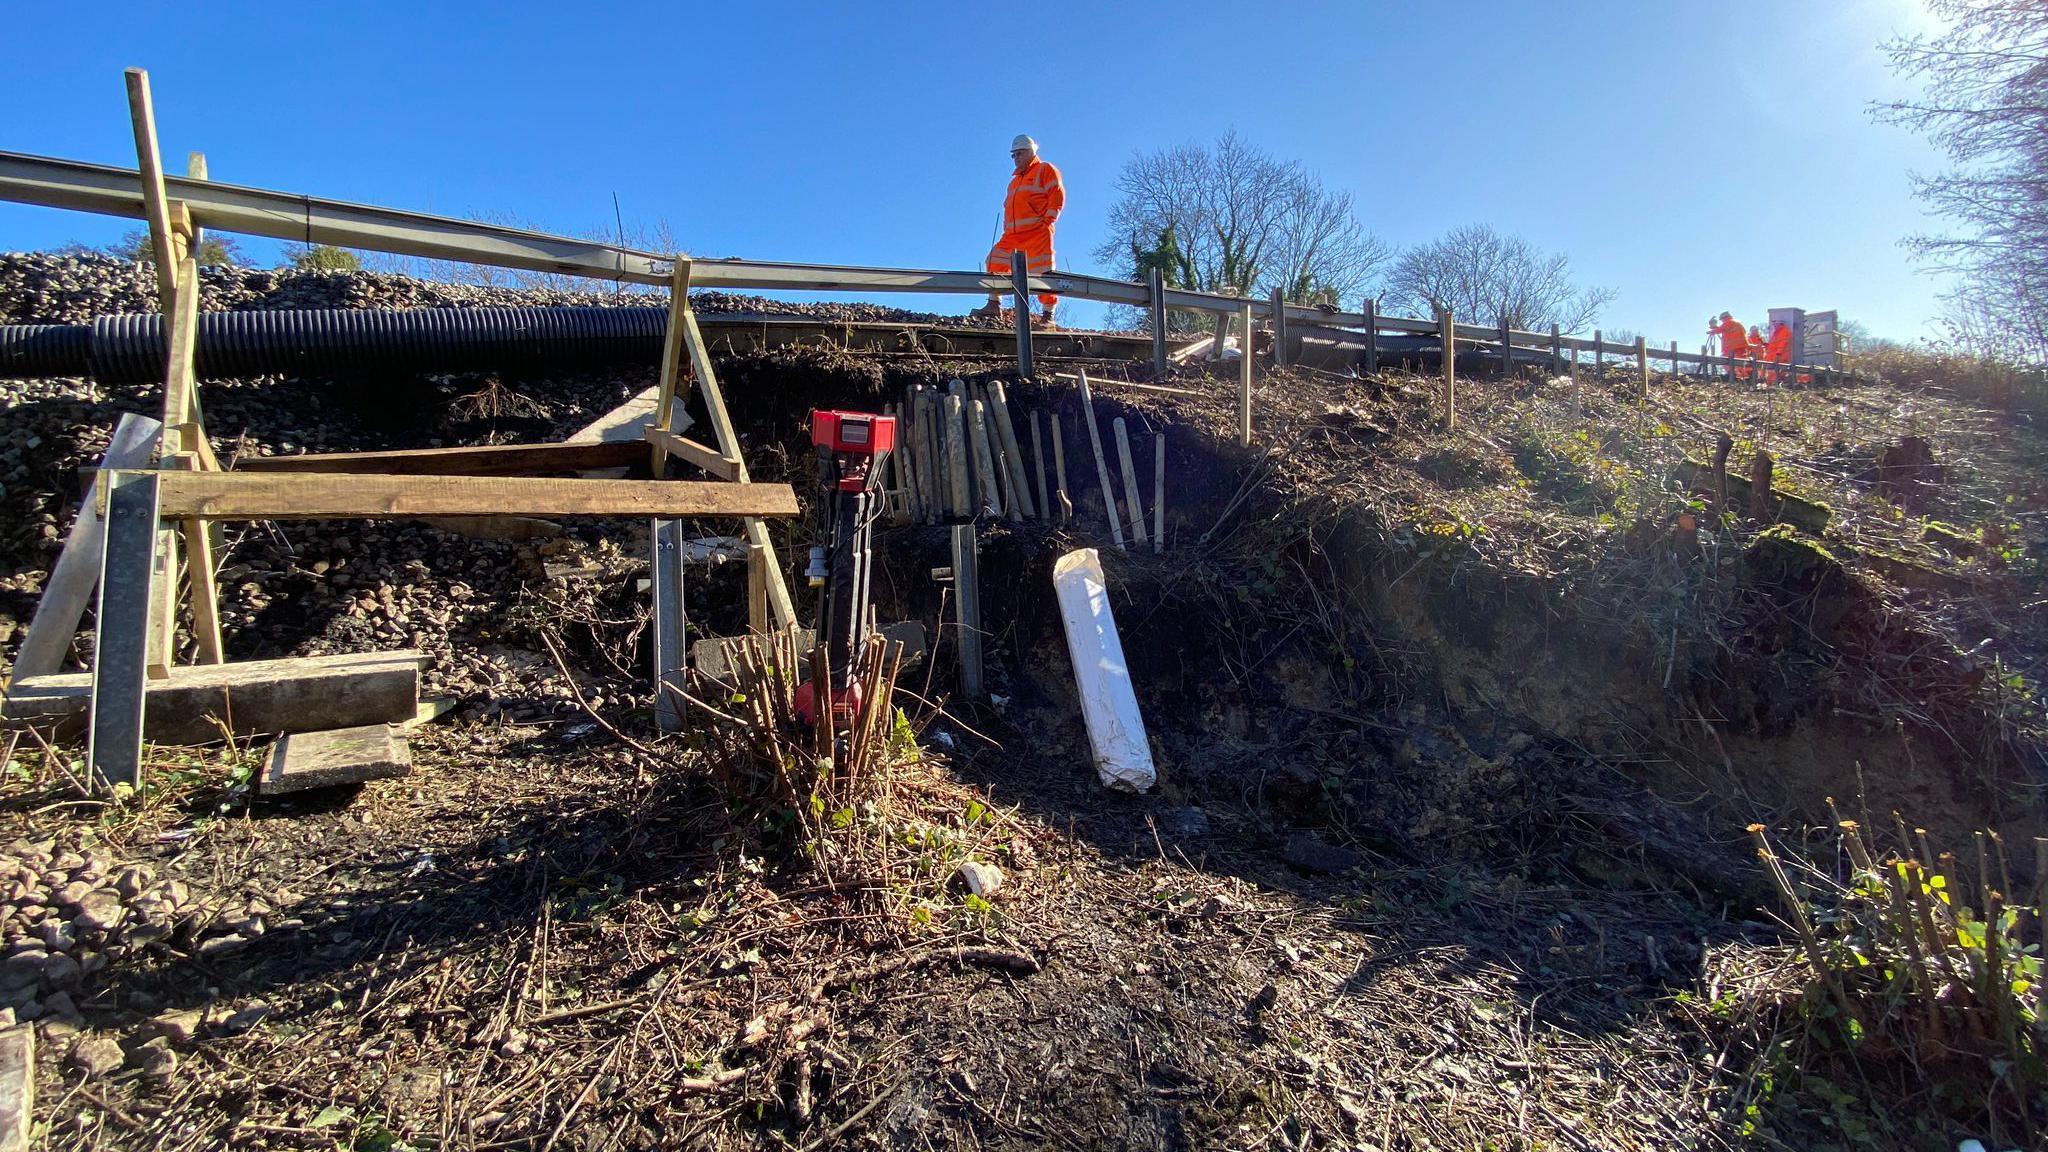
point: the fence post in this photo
(1447, 326)
(1642, 367)
(1020, 282)
(1279, 328)
(967, 607)
(1372, 336)
(1599, 358)
(1507, 349)
(1674, 357)
(1158, 287)
(1556, 350)
(1244, 379)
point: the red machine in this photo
(851, 447)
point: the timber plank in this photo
(482, 460)
(333, 757)
(344, 496)
(253, 696)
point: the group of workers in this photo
(1750, 344)
(1036, 197)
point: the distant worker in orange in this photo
(1778, 347)
(1030, 207)
(1734, 342)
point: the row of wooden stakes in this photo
(959, 456)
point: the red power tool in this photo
(851, 447)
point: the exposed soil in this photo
(1459, 733)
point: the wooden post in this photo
(1599, 358)
(1447, 327)
(1020, 282)
(1159, 492)
(988, 486)
(759, 621)
(1059, 464)
(1244, 380)
(1133, 507)
(1507, 349)
(1116, 532)
(1372, 336)
(1279, 328)
(1761, 468)
(958, 502)
(1216, 353)
(910, 505)
(1556, 350)
(1674, 357)
(728, 442)
(1038, 461)
(1013, 452)
(156, 209)
(1723, 444)
(1157, 286)
(673, 354)
(1642, 367)
(967, 608)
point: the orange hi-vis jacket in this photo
(1734, 339)
(1779, 347)
(1033, 202)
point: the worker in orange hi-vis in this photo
(1778, 347)
(1734, 342)
(1030, 207)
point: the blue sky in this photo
(1634, 137)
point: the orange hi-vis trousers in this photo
(1036, 244)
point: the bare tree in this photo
(1984, 103)
(1241, 222)
(1483, 276)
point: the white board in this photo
(1109, 706)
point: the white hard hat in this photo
(1024, 143)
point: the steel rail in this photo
(116, 191)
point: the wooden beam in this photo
(481, 460)
(202, 596)
(344, 496)
(303, 694)
(156, 209)
(690, 452)
(673, 349)
(728, 441)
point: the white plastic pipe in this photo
(1116, 732)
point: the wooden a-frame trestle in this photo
(128, 536)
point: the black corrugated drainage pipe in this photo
(129, 348)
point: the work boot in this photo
(993, 310)
(1043, 320)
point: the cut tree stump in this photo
(336, 757)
